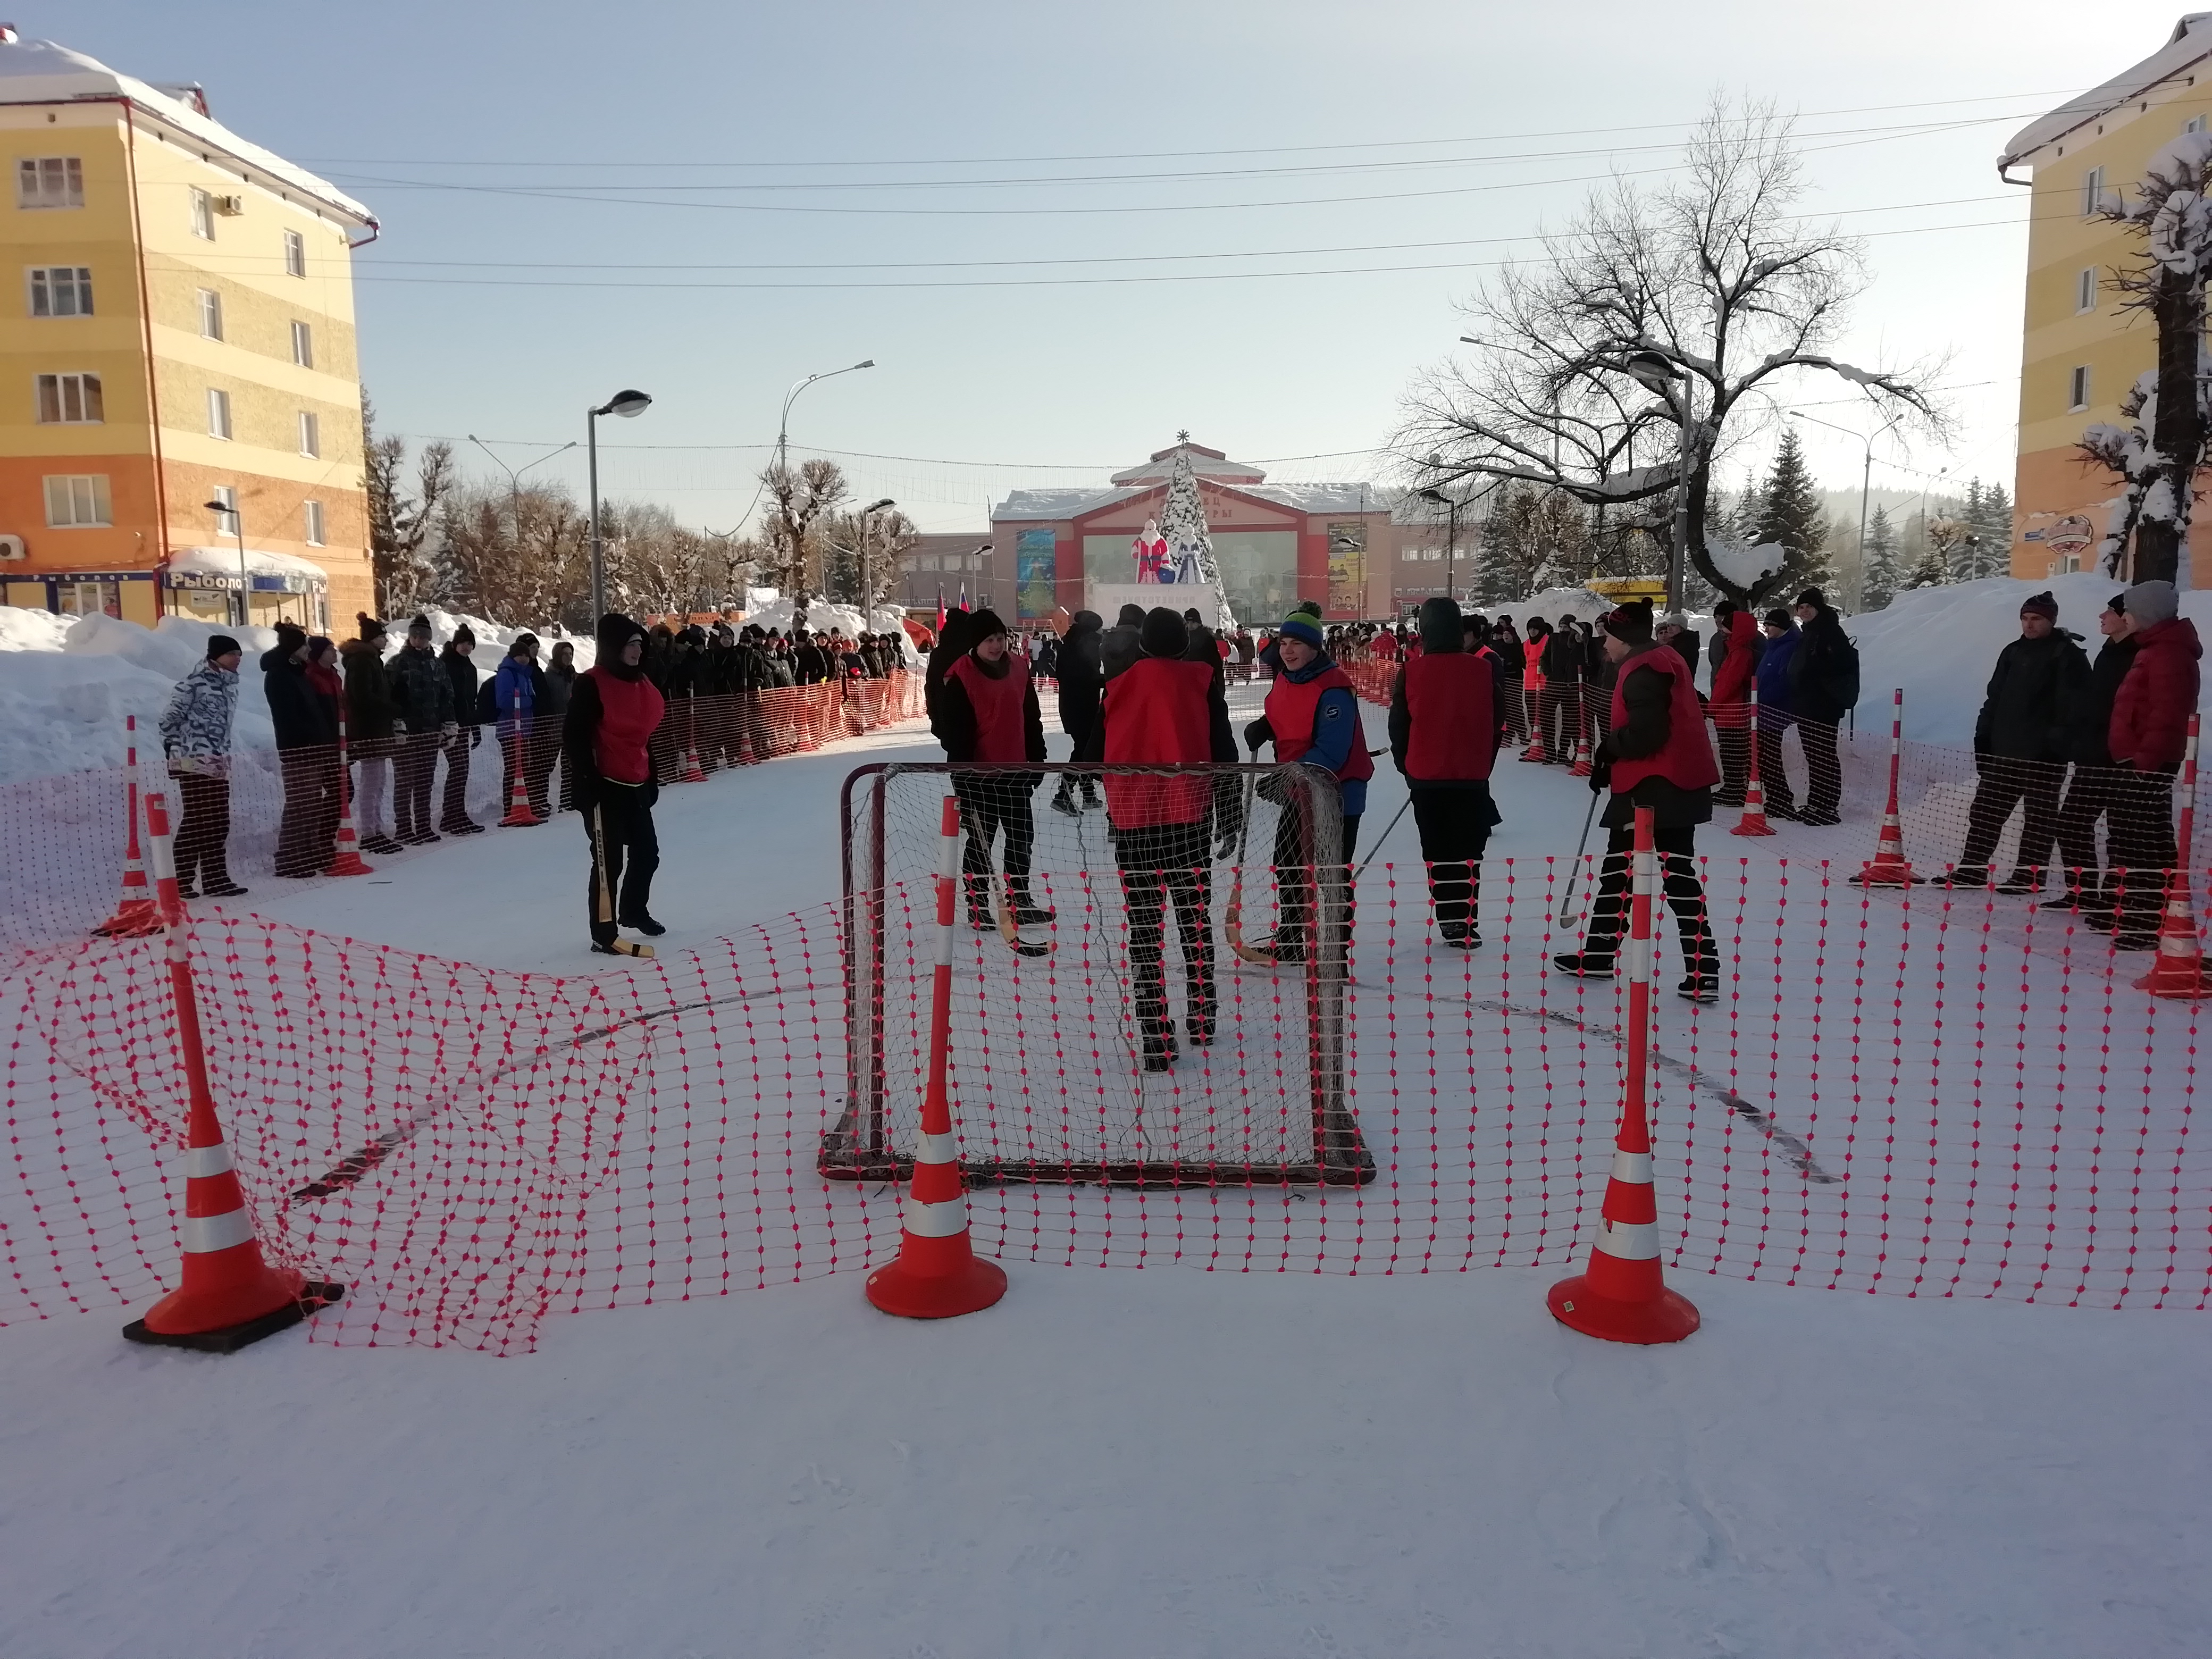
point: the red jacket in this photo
(1156, 712)
(1687, 760)
(1730, 698)
(2150, 715)
(1451, 735)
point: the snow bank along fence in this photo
(1913, 1090)
(66, 835)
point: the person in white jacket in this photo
(196, 741)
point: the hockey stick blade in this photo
(1232, 928)
(1012, 935)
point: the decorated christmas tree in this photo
(1182, 527)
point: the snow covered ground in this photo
(1107, 1463)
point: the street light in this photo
(1866, 479)
(244, 582)
(867, 590)
(1656, 371)
(514, 475)
(1451, 535)
(783, 420)
(630, 405)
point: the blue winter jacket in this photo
(514, 681)
(1774, 708)
(1336, 728)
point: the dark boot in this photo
(1028, 912)
(1159, 1046)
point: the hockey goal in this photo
(1047, 1066)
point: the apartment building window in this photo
(77, 502)
(210, 314)
(70, 400)
(2085, 291)
(218, 412)
(226, 520)
(313, 511)
(2093, 191)
(2078, 394)
(61, 290)
(2196, 124)
(296, 254)
(303, 345)
(49, 181)
(203, 215)
(310, 433)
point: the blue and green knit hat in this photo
(1302, 624)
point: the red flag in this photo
(940, 607)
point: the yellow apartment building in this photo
(176, 329)
(2081, 352)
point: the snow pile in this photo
(1940, 643)
(822, 617)
(1555, 603)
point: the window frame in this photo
(2077, 388)
(90, 396)
(203, 213)
(72, 187)
(303, 345)
(311, 435)
(311, 526)
(218, 406)
(296, 254)
(210, 307)
(2085, 291)
(40, 283)
(225, 518)
(96, 494)
(2093, 191)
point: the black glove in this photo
(1600, 777)
(1258, 734)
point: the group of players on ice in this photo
(1149, 692)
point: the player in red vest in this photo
(613, 711)
(988, 711)
(1312, 714)
(1445, 730)
(1654, 755)
(1166, 709)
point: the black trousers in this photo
(1561, 712)
(2092, 793)
(414, 766)
(1681, 885)
(1735, 761)
(1165, 864)
(991, 802)
(1454, 828)
(1294, 875)
(1824, 772)
(2142, 847)
(2006, 783)
(455, 817)
(625, 852)
(204, 834)
(306, 836)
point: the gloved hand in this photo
(1258, 734)
(450, 727)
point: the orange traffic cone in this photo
(346, 859)
(2179, 970)
(227, 1295)
(693, 772)
(519, 816)
(1623, 1298)
(1888, 868)
(937, 1274)
(1582, 768)
(1754, 821)
(136, 916)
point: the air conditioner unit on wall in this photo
(11, 547)
(230, 206)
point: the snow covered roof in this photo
(45, 72)
(1047, 505)
(2191, 41)
(217, 567)
(1207, 462)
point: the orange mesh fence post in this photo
(2179, 972)
(136, 916)
(346, 859)
(937, 1274)
(518, 813)
(227, 1294)
(1754, 820)
(1623, 1297)
(1888, 867)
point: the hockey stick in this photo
(621, 947)
(1581, 867)
(1012, 935)
(1384, 836)
(1232, 913)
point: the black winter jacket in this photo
(422, 690)
(2033, 705)
(1082, 675)
(1824, 673)
(462, 673)
(2091, 726)
(304, 717)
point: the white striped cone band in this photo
(1633, 1168)
(1629, 1241)
(935, 1149)
(947, 1220)
(208, 1160)
(2179, 945)
(203, 1234)
(945, 946)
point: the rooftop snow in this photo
(44, 72)
(2191, 39)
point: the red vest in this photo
(1290, 710)
(1532, 662)
(1001, 733)
(630, 711)
(1157, 714)
(1449, 739)
(1686, 761)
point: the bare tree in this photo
(1710, 281)
(518, 555)
(798, 497)
(400, 519)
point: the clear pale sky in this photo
(501, 314)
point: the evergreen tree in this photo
(1988, 512)
(1790, 514)
(1882, 560)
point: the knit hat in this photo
(2152, 603)
(984, 623)
(1681, 619)
(525, 643)
(2040, 604)
(1630, 623)
(463, 632)
(371, 629)
(2118, 605)
(1311, 607)
(1302, 624)
(1812, 596)
(1778, 617)
(1163, 633)
(221, 645)
(290, 636)
(418, 622)
(1130, 616)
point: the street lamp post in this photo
(783, 433)
(867, 588)
(628, 405)
(1656, 371)
(515, 476)
(1866, 483)
(244, 581)
(1451, 537)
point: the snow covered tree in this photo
(888, 534)
(1182, 527)
(1987, 551)
(792, 548)
(1655, 310)
(1789, 516)
(1533, 539)
(402, 554)
(1883, 576)
(2158, 451)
